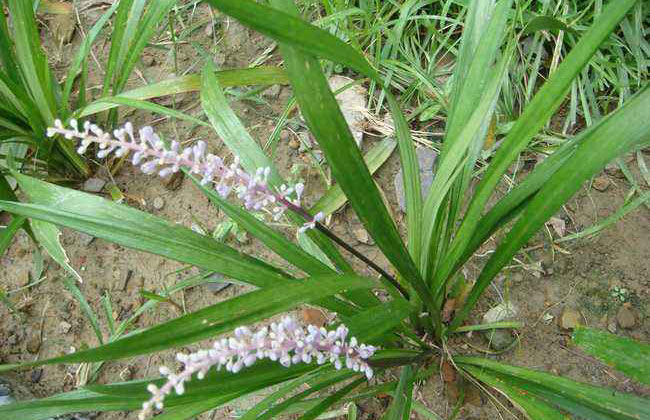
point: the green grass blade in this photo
(192, 83)
(138, 230)
(151, 107)
(295, 32)
(624, 130)
(534, 408)
(85, 308)
(221, 318)
(567, 394)
(400, 406)
(320, 109)
(536, 114)
(229, 127)
(320, 408)
(7, 234)
(84, 50)
(48, 235)
(621, 353)
(311, 40)
(334, 198)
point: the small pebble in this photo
(36, 375)
(285, 135)
(570, 319)
(33, 344)
(625, 317)
(158, 203)
(361, 235)
(94, 185)
(64, 327)
(600, 183)
(294, 144)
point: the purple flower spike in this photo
(286, 342)
(151, 155)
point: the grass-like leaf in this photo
(138, 230)
(624, 130)
(622, 353)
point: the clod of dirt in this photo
(426, 160)
(148, 60)
(285, 135)
(94, 185)
(62, 27)
(353, 105)
(33, 344)
(294, 144)
(158, 203)
(570, 319)
(601, 183)
(313, 316)
(626, 317)
(499, 339)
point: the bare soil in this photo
(580, 276)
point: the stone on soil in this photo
(94, 185)
(570, 319)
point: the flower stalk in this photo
(286, 342)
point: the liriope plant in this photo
(407, 330)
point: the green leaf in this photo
(192, 83)
(546, 23)
(534, 408)
(567, 394)
(85, 308)
(320, 109)
(619, 132)
(621, 353)
(138, 230)
(48, 235)
(216, 319)
(320, 408)
(536, 114)
(84, 50)
(400, 406)
(295, 32)
(8, 233)
(228, 127)
(334, 198)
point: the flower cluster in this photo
(151, 155)
(286, 342)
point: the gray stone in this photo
(94, 185)
(217, 283)
(85, 239)
(426, 160)
(499, 339)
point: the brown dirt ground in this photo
(578, 276)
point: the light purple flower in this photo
(151, 155)
(286, 342)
